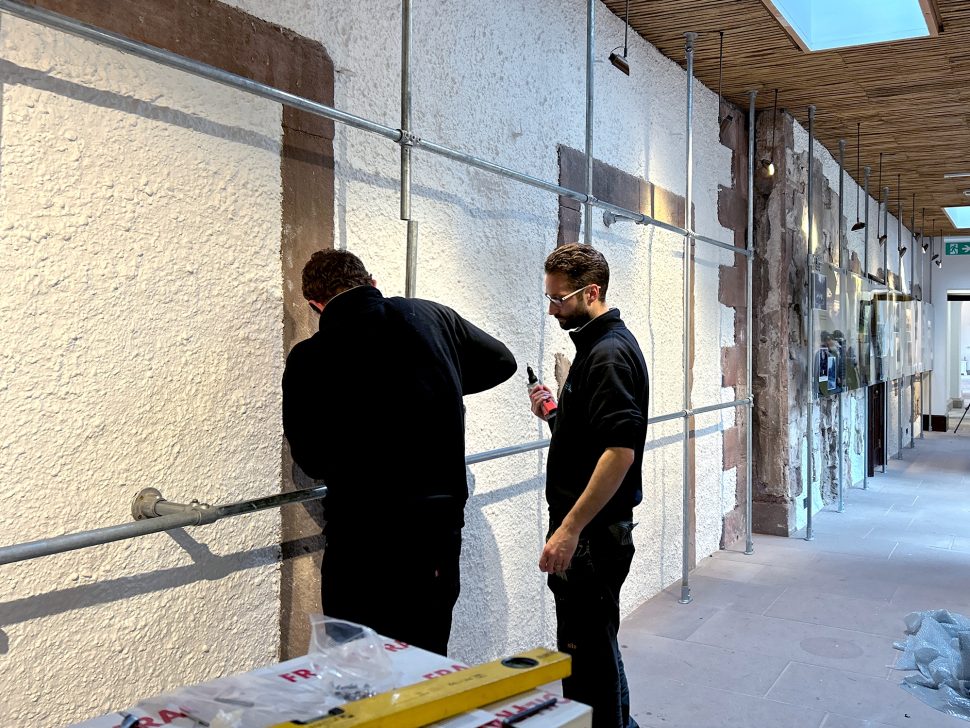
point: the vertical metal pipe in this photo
(405, 108)
(912, 296)
(749, 329)
(411, 256)
(865, 275)
(685, 597)
(840, 439)
(590, 38)
(841, 205)
(885, 275)
(899, 278)
(929, 392)
(810, 344)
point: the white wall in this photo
(140, 345)
(484, 239)
(953, 276)
(142, 337)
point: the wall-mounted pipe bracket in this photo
(149, 503)
(408, 139)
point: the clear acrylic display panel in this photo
(828, 311)
(927, 338)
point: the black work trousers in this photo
(402, 584)
(587, 599)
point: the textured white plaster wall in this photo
(483, 241)
(140, 345)
(953, 276)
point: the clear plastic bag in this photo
(349, 659)
(348, 662)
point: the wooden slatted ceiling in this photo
(911, 96)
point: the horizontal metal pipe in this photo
(241, 83)
(722, 406)
(202, 516)
(98, 536)
(188, 65)
(666, 418)
(502, 452)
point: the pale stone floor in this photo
(799, 634)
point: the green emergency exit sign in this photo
(958, 248)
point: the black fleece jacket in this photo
(603, 404)
(372, 404)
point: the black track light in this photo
(939, 262)
(616, 59)
(858, 137)
(902, 251)
(620, 62)
(925, 246)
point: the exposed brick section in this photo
(732, 448)
(732, 213)
(615, 186)
(733, 279)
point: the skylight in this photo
(959, 216)
(818, 25)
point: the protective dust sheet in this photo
(938, 647)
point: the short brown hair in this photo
(329, 272)
(582, 265)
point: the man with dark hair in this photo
(372, 404)
(593, 479)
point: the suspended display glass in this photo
(927, 341)
(884, 340)
(856, 346)
(905, 318)
(829, 321)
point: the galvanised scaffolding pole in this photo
(407, 142)
(843, 272)
(749, 331)
(885, 352)
(810, 344)
(590, 50)
(685, 597)
(865, 277)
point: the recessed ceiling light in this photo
(819, 25)
(966, 193)
(954, 175)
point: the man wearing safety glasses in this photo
(593, 478)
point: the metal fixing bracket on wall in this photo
(149, 503)
(408, 139)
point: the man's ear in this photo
(373, 282)
(316, 305)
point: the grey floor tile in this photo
(833, 720)
(740, 596)
(812, 644)
(750, 672)
(673, 704)
(805, 604)
(855, 696)
(664, 616)
(727, 569)
(858, 583)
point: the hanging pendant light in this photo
(922, 225)
(858, 137)
(885, 235)
(769, 163)
(619, 61)
(900, 248)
